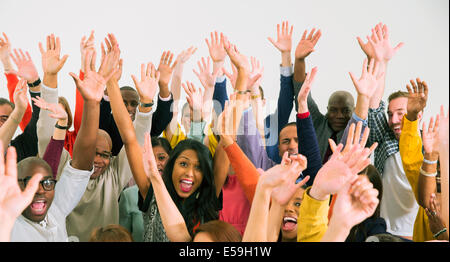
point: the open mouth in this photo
(186, 185)
(289, 223)
(97, 169)
(38, 207)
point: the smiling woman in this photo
(188, 177)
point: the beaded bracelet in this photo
(440, 232)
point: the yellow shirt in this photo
(178, 136)
(410, 145)
(312, 218)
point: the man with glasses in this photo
(44, 219)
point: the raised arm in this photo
(8, 129)
(257, 225)
(306, 134)
(427, 178)
(443, 156)
(147, 88)
(194, 97)
(208, 80)
(91, 88)
(304, 48)
(53, 151)
(51, 61)
(336, 173)
(378, 47)
(356, 201)
(175, 87)
(27, 70)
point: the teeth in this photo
(39, 201)
(289, 219)
(187, 182)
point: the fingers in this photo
(357, 136)
(11, 163)
(32, 187)
(75, 79)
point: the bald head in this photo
(340, 108)
(30, 166)
(102, 134)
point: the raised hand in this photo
(110, 60)
(239, 60)
(25, 66)
(355, 202)
(20, 95)
(284, 192)
(417, 98)
(91, 88)
(443, 128)
(304, 91)
(149, 83)
(86, 45)
(205, 76)
(231, 75)
(150, 166)
(283, 174)
(338, 170)
(184, 56)
(378, 44)
(195, 100)
(57, 110)
(430, 137)
(12, 199)
(366, 85)
(216, 47)
(284, 38)
(5, 50)
(307, 44)
(257, 69)
(51, 61)
(354, 139)
(165, 68)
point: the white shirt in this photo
(398, 204)
(68, 192)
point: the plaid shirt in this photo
(381, 133)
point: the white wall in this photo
(146, 28)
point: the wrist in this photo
(164, 90)
(50, 80)
(286, 58)
(432, 156)
(62, 122)
(412, 116)
(317, 194)
(302, 108)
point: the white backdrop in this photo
(146, 28)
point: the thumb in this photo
(62, 62)
(400, 45)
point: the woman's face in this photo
(187, 175)
(161, 157)
(289, 222)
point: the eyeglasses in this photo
(103, 155)
(47, 184)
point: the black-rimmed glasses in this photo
(47, 184)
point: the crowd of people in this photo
(129, 166)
